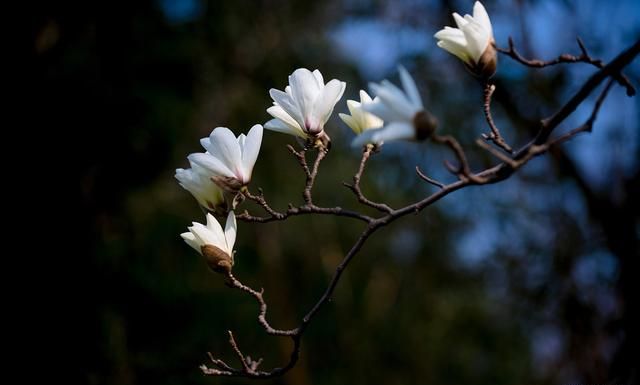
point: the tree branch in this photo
(495, 135)
(502, 171)
(355, 187)
(584, 57)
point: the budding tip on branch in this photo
(425, 125)
(218, 260)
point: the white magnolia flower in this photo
(305, 105)
(472, 41)
(401, 110)
(198, 182)
(360, 120)
(213, 243)
(229, 160)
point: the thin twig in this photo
(311, 177)
(588, 125)
(497, 153)
(236, 349)
(301, 157)
(463, 171)
(584, 57)
(495, 135)
(424, 177)
(262, 316)
(259, 199)
(355, 187)
(299, 210)
(549, 124)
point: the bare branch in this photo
(584, 57)
(301, 157)
(424, 177)
(463, 171)
(495, 135)
(355, 187)
(232, 281)
(509, 165)
(311, 177)
(236, 349)
(549, 124)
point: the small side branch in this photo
(259, 199)
(463, 171)
(311, 177)
(302, 159)
(274, 215)
(355, 187)
(584, 57)
(233, 282)
(535, 150)
(614, 67)
(495, 135)
(425, 178)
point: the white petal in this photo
(224, 146)
(304, 89)
(241, 140)
(230, 231)
(190, 240)
(280, 126)
(213, 225)
(481, 16)
(251, 149)
(477, 40)
(383, 112)
(204, 236)
(217, 235)
(460, 21)
(327, 99)
(455, 49)
(319, 78)
(410, 87)
(353, 106)
(212, 164)
(184, 176)
(205, 143)
(279, 113)
(288, 105)
(452, 34)
(364, 97)
(364, 138)
(394, 100)
(351, 122)
(394, 131)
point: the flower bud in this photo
(486, 66)
(218, 260)
(425, 125)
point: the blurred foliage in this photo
(142, 81)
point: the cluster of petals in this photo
(305, 105)
(398, 109)
(229, 160)
(472, 41)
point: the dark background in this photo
(528, 281)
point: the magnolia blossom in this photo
(305, 105)
(360, 120)
(213, 243)
(472, 41)
(229, 160)
(401, 110)
(198, 182)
